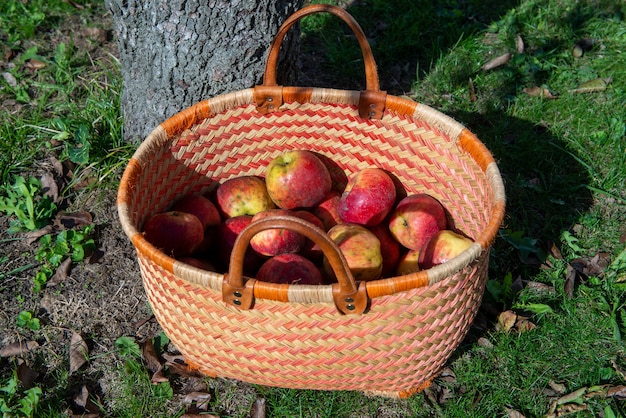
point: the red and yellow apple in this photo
(408, 263)
(415, 219)
(442, 247)
(243, 195)
(227, 233)
(177, 234)
(200, 206)
(389, 247)
(360, 248)
(327, 209)
(368, 197)
(290, 269)
(297, 179)
(275, 241)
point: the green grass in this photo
(563, 161)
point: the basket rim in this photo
(195, 114)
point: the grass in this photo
(563, 161)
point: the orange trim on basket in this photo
(297, 94)
(378, 288)
(490, 231)
(186, 118)
(471, 144)
(271, 291)
(148, 250)
(400, 105)
(131, 170)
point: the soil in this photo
(102, 298)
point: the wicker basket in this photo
(386, 337)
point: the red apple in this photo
(244, 195)
(361, 249)
(200, 206)
(297, 179)
(289, 269)
(175, 233)
(408, 263)
(198, 262)
(327, 210)
(368, 197)
(276, 241)
(310, 250)
(442, 247)
(389, 247)
(416, 219)
(227, 233)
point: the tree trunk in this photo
(175, 53)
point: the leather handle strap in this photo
(349, 297)
(269, 96)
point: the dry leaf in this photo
(540, 288)
(571, 397)
(33, 64)
(177, 365)
(511, 413)
(78, 352)
(199, 399)
(485, 343)
(10, 79)
(506, 321)
(258, 408)
(33, 236)
(153, 363)
(618, 392)
(497, 62)
(65, 220)
(447, 375)
(524, 325)
(26, 375)
(49, 187)
(559, 388)
(519, 44)
(542, 92)
(592, 86)
(97, 34)
(61, 274)
(570, 281)
(18, 348)
(472, 91)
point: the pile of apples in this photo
(381, 231)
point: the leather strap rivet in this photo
(372, 114)
(237, 294)
(349, 300)
(269, 99)
(372, 105)
(237, 302)
(350, 307)
(270, 107)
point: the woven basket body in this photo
(294, 336)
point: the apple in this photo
(243, 195)
(175, 233)
(297, 179)
(276, 241)
(327, 209)
(360, 248)
(198, 262)
(310, 249)
(408, 263)
(227, 233)
(290, 269)
(389, 247)
(368, 197)
(200, 206)
(415, 219)
(442, 247)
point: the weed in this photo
(30, 210)
(25, 319)
(16, 401)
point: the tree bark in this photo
(175, 53)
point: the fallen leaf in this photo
(10, 79)
(96, 34)
(511, 413)
(86, 407)
(618, 392)
(26, 375)
(199, 399)
(258, 408)
(485, 343)
(524, 325)
(542, 92)
(497, 62)
(73, 219)
(472, 91)
(506, 321)
(78, 352)
(61, 274)
(153, 364)
(447, 375)
(18, 348)
(33, 236)
(33, 64)
(49, 187)
(540, 288)
(177, 365)
(570, 281)
(519, 44)
(557, 387)
(592, 86)
(572, 397)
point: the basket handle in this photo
(349, 296)
(269, 95)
